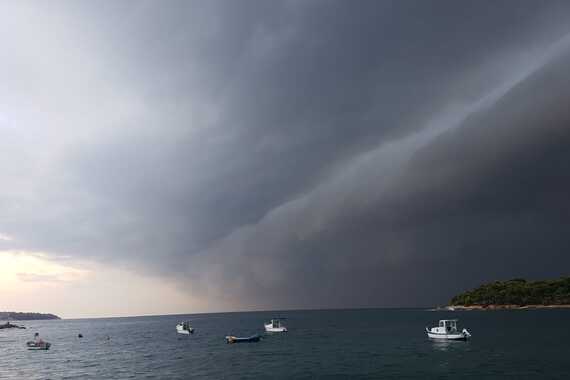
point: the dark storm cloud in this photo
(313, 154)
(484, 201)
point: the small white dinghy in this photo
(275, 326)
(36, 346)
(184, 328)
(447, 330)
(38, 343)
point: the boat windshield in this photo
(451, 325)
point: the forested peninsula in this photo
(515, 294)
(16, 316)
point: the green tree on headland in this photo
(519, 292)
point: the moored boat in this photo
(249, 339)
(448, 330)
(184, 328)
(275, 326)
(38, 345)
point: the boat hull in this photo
(437, 336)
(33, 346)
(233, 339)
(181, 330)
(270, 328)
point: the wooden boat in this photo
(447, 330)
(249, 339)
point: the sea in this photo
(320, 344)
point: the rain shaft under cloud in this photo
(293, 154)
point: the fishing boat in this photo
(448, 330)
(275, 326)
(184, 328)
(249, 339)
(36, 346)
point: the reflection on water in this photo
(449, 345)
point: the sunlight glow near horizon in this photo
(31, 282)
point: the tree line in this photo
(519, 292)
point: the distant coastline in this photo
(516, 294)
(18, 316)
(499, 307)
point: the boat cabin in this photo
(448, 326)
(275, 323)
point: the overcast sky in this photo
(238, 155)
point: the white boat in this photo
(41, 345)
(184, 328)
(275, 326)
(447, 329)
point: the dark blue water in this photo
(381, 344)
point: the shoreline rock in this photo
(9, 325)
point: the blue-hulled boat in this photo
(249, 339)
